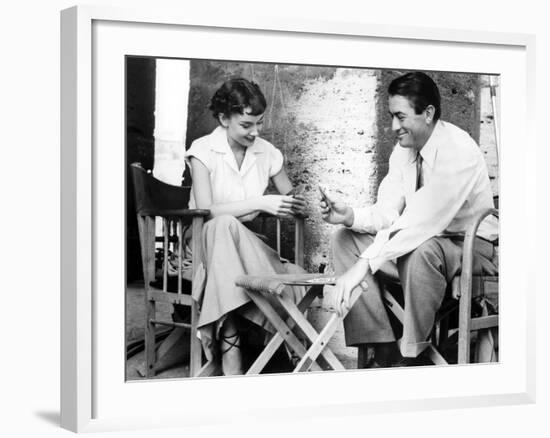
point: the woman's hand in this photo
(299, 206)
(341, 292)
(280, 205)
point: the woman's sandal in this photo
(231, 344)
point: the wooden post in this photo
(165, 234)
(149, 261)
(279, 236)
(195, 359)
(299, 242)
(180, 250)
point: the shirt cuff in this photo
(372, 253)
(361, 219)
(374, 264)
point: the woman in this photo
(231, 169)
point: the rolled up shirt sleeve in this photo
(391, 201)
(431, 209)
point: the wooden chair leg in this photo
(150, 354)
(276, 341)
(210, 368)
(299, 242)
(464, 332)
(435, 356)
(319, 340)
(317, 347)
(281, 327)
(195, 359)
(485, 347)
(148, 225)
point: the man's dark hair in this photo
(420, 89)
(235, 95)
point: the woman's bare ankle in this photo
(232, 364)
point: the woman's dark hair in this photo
(235, 95)
(420, 89)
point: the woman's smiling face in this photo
(242, 129)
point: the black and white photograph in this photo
(275, 219)
(285, 218)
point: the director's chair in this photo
(473, 296)
(156, 200)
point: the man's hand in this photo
(341, 292)
(335, 212)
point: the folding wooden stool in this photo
(318, 355)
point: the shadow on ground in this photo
(51, 417)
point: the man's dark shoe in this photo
(385, 354)
(418, 361)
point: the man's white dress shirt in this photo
(455, 187)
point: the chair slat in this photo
(299, 242)
(195, 361)
(180, 249)
(484, 322)
(278, 236)
(165, 231)
(169, 297)
(171, 324)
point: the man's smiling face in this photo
(413, 130)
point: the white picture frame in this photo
(89, 381)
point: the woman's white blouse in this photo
(229, 183)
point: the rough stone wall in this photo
(322, 119)
(332, 144)
(487, 137)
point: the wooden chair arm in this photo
(275, 284)
(263, 215)
(183, 212)
(466, 279)
(261, 284)
(468, 251)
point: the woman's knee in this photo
(225, 222)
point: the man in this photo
(437, 181)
